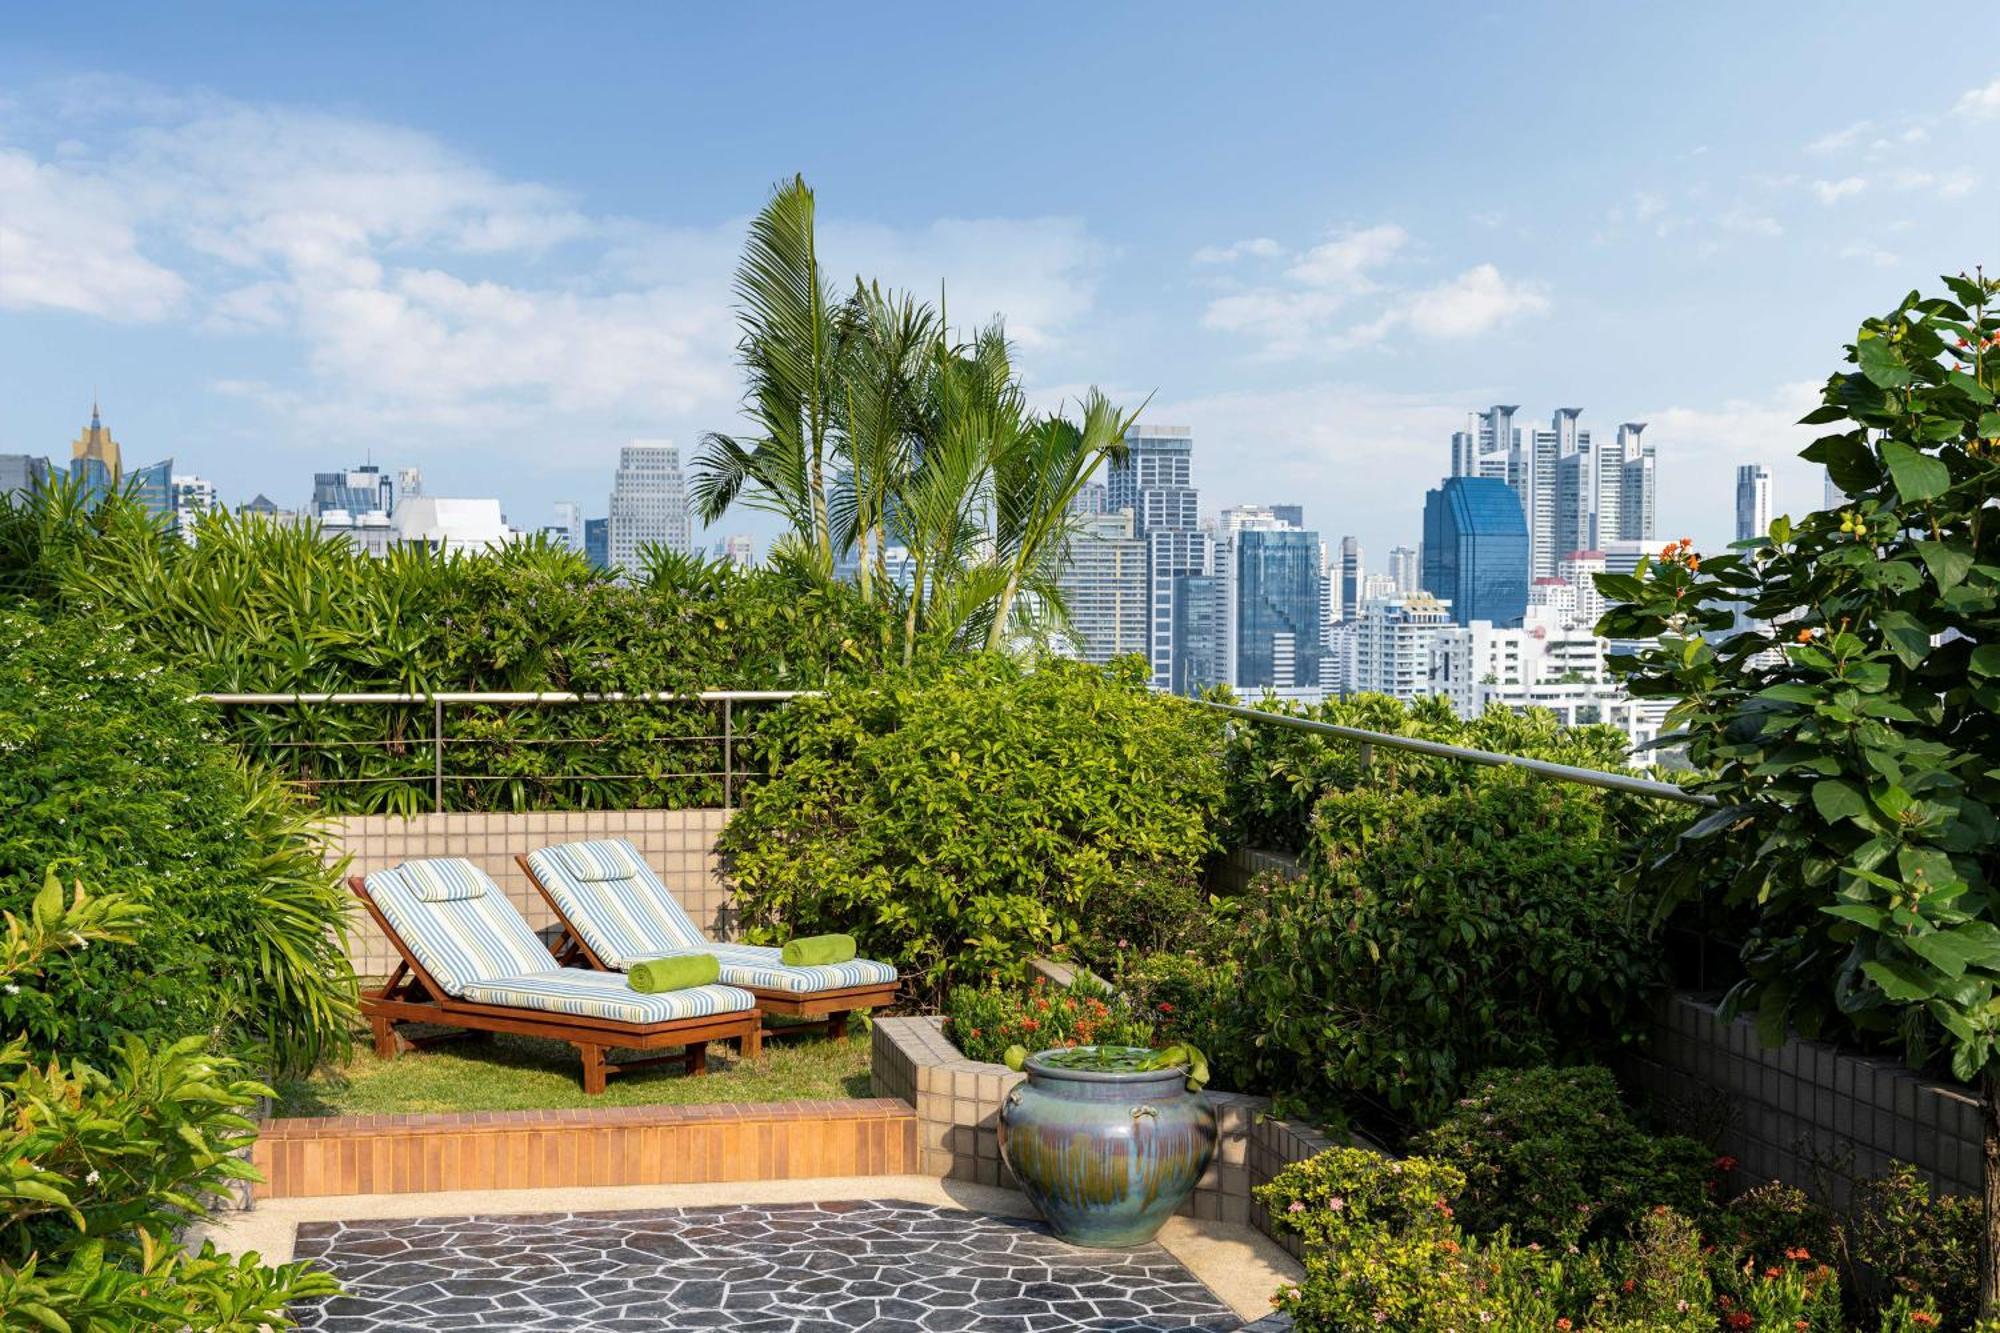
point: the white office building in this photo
(1753, 501)
(1392, 646)
(446, 524)
(648, 504)
(1575, 493)
(1103, 582)
(191, 498)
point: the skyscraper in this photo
(21, 473)
(1476, 550)
(1350, 577)
(1392, 646)
(1103, 583)
(597, 542)
(569, 524)
(1290, 515)
(1833, 497)
(1154, 481)
(1403, 569)
(95, 460)
(1575, 494)
(1276, 603)
(153, 487)
(192, 497)
(1753, 502)
(648, 503)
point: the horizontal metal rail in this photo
(1590, 777)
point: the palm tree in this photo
(788, 351)
(888, 351)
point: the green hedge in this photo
(110, 773)
(253, 607)
(959, 823)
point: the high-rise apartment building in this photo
(20, 473)
(192, 497)
(1242, 518)
(1476, 550)
(361, 490)
(1093, 497)
(1350, 578)
(1753, 502)
(1103, 583)
(1274, 595)
(1404, 571)
(648, 503)
(1392, 646)
(1154, 480)
(568, 527)
(95, 460)
(153, 487)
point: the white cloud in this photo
(1981, 102)
(1701, 446)
(1831, 192)
(422, 287)
(1257, 247)
(67, 242)
(1347, 262)
(1476, 301)
(1839, 140)
(1751, 222)
(1945, 184)
(1870, 253)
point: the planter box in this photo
(958, 1101)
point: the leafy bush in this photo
(1199, 1000)
(1552, 1155)
(983, 1021)
(100, 1171)
(1907, 1243)
(958, 824)
(252, 606)
(1475, 920)
(109, 773)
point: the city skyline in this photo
(274, 255)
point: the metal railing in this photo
(1368, 740)
(437, 701)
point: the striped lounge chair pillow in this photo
(459, 925)
(615, 901)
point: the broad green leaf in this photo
(1951, 952)
(1879, 362)
(1907, 636)
(1947, 561)
(1901, 981)
(1837, 799)
(1917, 475)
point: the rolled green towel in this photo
(817, 951)
(679, 972)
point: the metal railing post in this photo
(728, 758)
(437, 754)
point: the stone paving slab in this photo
(878, 1266)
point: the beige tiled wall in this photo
(680, 844)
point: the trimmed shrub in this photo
(110, 773)
(1440, 930)
(1199, 1000)
(958, 824)
(1552, 1155)
(1908, 1243)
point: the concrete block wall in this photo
(958, 1116)
(679, 844)
(1786, 1106)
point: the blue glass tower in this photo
(1476, 550)
(597, 542)
(153, 487)
(1278, 591)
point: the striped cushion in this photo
(749, 965)
(445, 879)
(624, 920)
(590, 862)
(460, 941)
(607, 995)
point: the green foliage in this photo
(1852, 739)
(958, 824)
(109, 773)
(1447, 919)
(983, 1021)
(1907, 1243)
(1552, 1155)
(1197, 998)
(99, 1172)
(254, 607)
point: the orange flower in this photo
(1805, 636)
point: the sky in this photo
(494, 241)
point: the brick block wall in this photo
(1787, 1105)
(679, 844)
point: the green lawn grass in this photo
(509, 1073)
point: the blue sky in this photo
(494, 241)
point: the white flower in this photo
(92, 1178)
(12, 989)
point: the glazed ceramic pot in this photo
(1106, 1155)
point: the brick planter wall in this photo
(623, 1145)
(958, 1101)
(1788, 1103)
(680, 844)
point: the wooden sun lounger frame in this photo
(412, 995)
(832, 1007)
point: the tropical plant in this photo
(985, 1020)
(871, 426)
(959, 822)
(109, 772)
(100, 1172)
(1850, 729)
